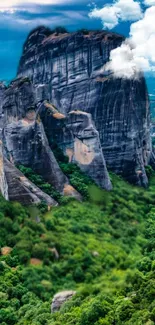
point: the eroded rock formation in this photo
(62, 95)
(67, 70)
(77, 136)
(25, 143)
(22, 190)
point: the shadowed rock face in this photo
(22, 190)
(24, 138)
(66, 70)
(18, 99)
(15, 186)
(26, 144)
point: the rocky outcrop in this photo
(60, 298)
(62, 96)
(22, 190)
(66, 70)
(26, 144)
(18, 99)
(15, 186)
(3, 181)
(82, 146)
(77, 136)
(24, 139)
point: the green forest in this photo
(103, 248)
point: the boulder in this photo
(60, 298)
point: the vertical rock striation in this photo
(24, 139)
(22, 190)
(66, 69)
(3, 180)
(77, 136)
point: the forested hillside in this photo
(102, 248)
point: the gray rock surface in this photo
(18, 99)
(3, 180)
(77, 136)
(22, 190)
(66, 70)
(84, 147)
(26, 144)
(24, 138)
(2, 92)
(60, 298)
(14, 186)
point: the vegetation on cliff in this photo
(102, 248)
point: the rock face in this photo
(61, 95)
(25, 143)
(77, 136)
(22, 190)
(60, 298)
(66, 70)
(16, 187)
(2, 92)
(24, 137)
(3, 181)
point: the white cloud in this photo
(13, 5)
(120, 10)
(149, 2)
(137, 53)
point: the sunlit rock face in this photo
(77, 136)
(66, 70)
(82, 145)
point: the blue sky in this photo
(14, 27)
(18, 17)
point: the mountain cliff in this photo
(67, 70)
(62, 96)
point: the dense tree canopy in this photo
(105, 251)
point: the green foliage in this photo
(77, 178)
(44, 186)
(149, 171)
(104, 249)
(59, 30)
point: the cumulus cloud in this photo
(124, 63)
(120, 10)
(138, 52)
